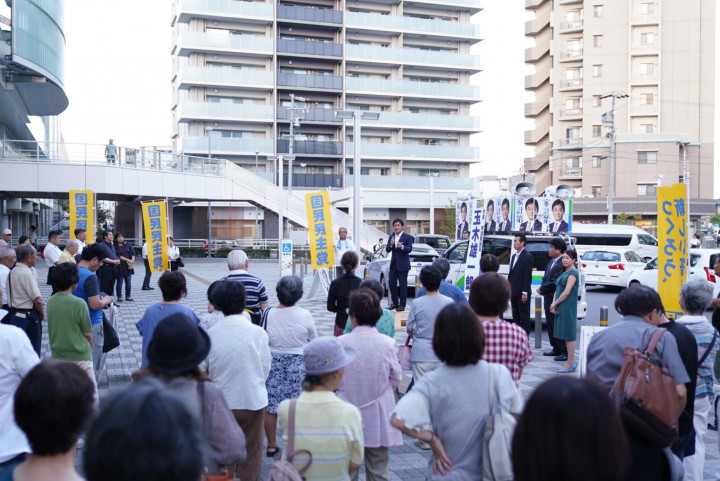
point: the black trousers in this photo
(50, 279)
(521, 312)
(398, 277)
(557, 344)
(148, 274)
(106, 277)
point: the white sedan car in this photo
(610, 267)
(378, 265)
(702, 266)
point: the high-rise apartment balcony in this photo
(571, 84)
(570, 55)
(639, 18)
(307, 47)
(473, 5)
(310, 115)
(643, 109)
(310, 147)
(309, 14)
(326, 82)
(571, 27)
(223, 146)
(398, 23)
(646, 79)
(224, 111)
(536, 25)
(533, 54)
(569, 143)
(188, 42)
(185, 10)
(533, 4)
(571, 172)
(412, 182)
(644, 48)
(222, 76)
(409, 151)
(571, 114)
(411, 88)
(426, 121)
(412, 56)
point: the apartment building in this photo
(659, 58)
(255, 79)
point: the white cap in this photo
(7, 231)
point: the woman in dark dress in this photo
(124, 270)
(565, 307)
(340, 289)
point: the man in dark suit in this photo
(489, 217)
(553, 270)
(463, 228)
(533, 224)
(504, 225)
(400, 244)
(558, 211)
(520, 278)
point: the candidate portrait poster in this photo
(463, 210)
(498, 214)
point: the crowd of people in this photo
(216, 393)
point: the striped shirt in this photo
(330, 429)
(255, 292)
(703, 332)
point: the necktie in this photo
(512, 261)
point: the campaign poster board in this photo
(81, 204)
(525, 215)
(475, 241)
(673, 242)
(322, 250)
(463, 211)
(555, 213)
(156, 232)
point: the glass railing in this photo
(224, 145)
(474, 4)
(412, 56)
(412, 182)
(309, 48)
(315, 147)
(321, 15)
(219, 75)
(411, 24)
(309, 81)
(202, 40)
(414, 150)
(411, 87)
(225, 111)
(315, 115)
(226, 8)
(409, 119)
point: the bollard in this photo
(604, 316)
(294, 264)
(538, 322)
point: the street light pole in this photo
(431, 176)
(209, 209)
(257, 222)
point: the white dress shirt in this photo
(239, 362)
(341, 247)
(144, 251)
(4, 271)
(81, 245)
(51, 254)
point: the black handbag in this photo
(180, 262)
(110, 335)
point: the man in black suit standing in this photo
(553, 270)
(520, 277)
(490, 225)
(533, 224)
(505, 223)
(400, 244)
(558, 212)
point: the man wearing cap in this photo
(6, 237)
(325, 424)
(239, 363)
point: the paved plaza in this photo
(407, 462)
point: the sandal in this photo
(272, 451)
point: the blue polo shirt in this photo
(88, 286)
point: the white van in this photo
(598, 236)
(500, 245)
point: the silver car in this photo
(378, 265)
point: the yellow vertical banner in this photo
(82, 213)
(672, 246)
(322, 254)
(155, 222)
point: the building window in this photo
(597, 70)
(647, 157)
(647, 38)
(597, 131)
(647, 8)
(647, 99)
(572, 163)
(596, 190)
(647, 128)
(596, 161)
(647, 69)
(597, 100)
(597, 11)
(597, 40)
(644, 190)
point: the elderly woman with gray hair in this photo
(289, 328)
(695, 297)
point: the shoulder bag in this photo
(404, 355)
(264, 318)
(284, 469)
(646, 396)
(19, 317)
(497, 435)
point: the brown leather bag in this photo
(646, 396)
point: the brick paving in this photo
(407, 462)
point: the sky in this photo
(118, 70)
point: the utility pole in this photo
(294, 122)
(609, 118)
(686, 180)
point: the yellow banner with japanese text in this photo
(322, 254)
(672, 246)
(82, 213)
(155, 222)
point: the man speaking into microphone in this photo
(399, 245)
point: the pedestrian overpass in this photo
(43, 169)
